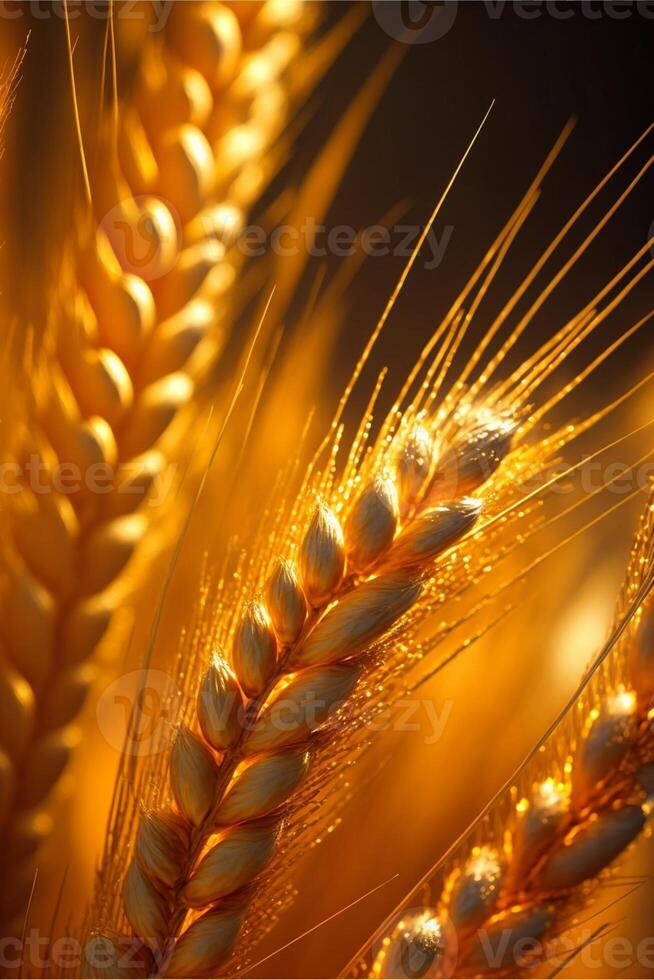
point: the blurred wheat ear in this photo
(133, 325)
(543, 848)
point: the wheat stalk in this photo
(190, 154)
(353, 583)
(544, 847)
(391, 537)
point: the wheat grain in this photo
(320, 618)
(307, 625)
(122, 366)
(538, 857)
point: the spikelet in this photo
(474, 893)
(413, 467)
(205, 945)
(145, 905)
(433, 532)
(363, 616)
(319, 629)
(322, 557)
(286, 602)
(240, 854)
(559, 840)
(134, 324)
(417, 942)
(604, 743)
(255, 649)
(192, 776)
(511, 937)
(159, 846)
(301, 707)
(372, 523)
(475, 455)
(219, 705)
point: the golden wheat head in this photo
(130, 331)
(544, 847)
(319, 614)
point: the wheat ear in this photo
(366, 574)
(538, 857)
(191, 147)
(296, 656)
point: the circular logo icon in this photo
(145, 234)
(414, 21)
(137, 713)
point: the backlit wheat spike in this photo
(327, 609)
(134, 310)
(495, 909)
(232, 780)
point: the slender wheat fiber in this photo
(131, 332)
(517, 883)
(299, 632)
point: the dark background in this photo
(540, 72)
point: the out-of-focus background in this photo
(591, 61)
